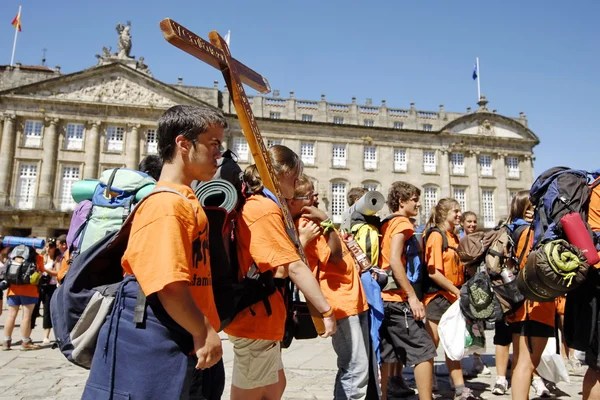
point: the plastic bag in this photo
(552, 367)
(475, 337)
(452, 330)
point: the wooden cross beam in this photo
(236, 74)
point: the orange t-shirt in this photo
(169, 243)
(340, 281)
(64, 266)
(262, 240)
(391, 228)
(27, 290)
(594, 208)
(560, 305)
(540, 312)
(447, 262)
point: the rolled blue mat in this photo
(13, 241)
(217, 193)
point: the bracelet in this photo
(327, 225)
(327, 313)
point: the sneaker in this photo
(574, 367)
(539, 387)
(46, 341)
(500, 387)
(466, 394)
(29, 346)
(6, 345)
(486, 371)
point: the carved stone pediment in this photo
(486, 128)
(109, 90)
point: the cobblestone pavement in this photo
(310, 369)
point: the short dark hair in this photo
(355, 194)
(401, 191)
(151, 165)
(62, 239)
(185, 120)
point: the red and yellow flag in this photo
(17, 22)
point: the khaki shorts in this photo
(256, 362)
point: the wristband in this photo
(327, 313)
(327, 225)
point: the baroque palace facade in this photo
(59, 128)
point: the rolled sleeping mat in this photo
(13, 241)
(84, 190)
(369, 204)
(217, 193)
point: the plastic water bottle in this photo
(507, 275)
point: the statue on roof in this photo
(124, 40)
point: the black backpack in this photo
(21, 267)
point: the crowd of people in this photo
(167, 260)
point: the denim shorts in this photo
(16, 301)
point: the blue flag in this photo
(475, 72)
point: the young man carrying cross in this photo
(167, 247)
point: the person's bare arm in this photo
(444, 283)
(399, 271)
(177, 300)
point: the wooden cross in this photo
(236, 74)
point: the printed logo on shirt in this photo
(200, 248)
(200, 280)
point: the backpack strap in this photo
(444, 238)
(526, 247)
(110, 182)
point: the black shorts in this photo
(402, 338)
(504, 331)
(436, 308)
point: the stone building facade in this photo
(59, 128)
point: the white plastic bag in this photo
(452, 330)
(552, 368)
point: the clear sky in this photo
(540, 57)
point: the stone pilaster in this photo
(92, 150)
(472, 166)
(502, 191)
(48, 173)
(132, 151)
(8, 154)
(445, 174)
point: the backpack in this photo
(113, 199)
(80, 305)
(222, 198)
(21, 266)
(365, 230)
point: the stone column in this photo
(502, 196)
(92, 150)
(445, 174)
(132, 151)
(472, 169)
(8, 154)
(49, 159)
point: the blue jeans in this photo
(351, 344)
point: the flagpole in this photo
(12, 57)
(478, 81)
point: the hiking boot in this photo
(466, 394)
(500, 387)
(6, 345)
(29, 346)
(397, 388)
(539, 387)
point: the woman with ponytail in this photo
(447, 274)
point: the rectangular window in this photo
(240, 148)
(70, 175)
(26, 186)
(429, 201)
(151, 142)
(275, 115)
(487, 205)
(427, 127)
(485, 163)
(74, 137)
(370, 157)
(338, 201)
(307, 153)
(273, 142)
(460, 195)
(458, 163)
(398, 125)
(338, 120)
(33, 134)
(370, 186)
(307, 117)
(114, 138)
(369, 122)
(513, 167)
(400, 164)
(429, 165)
(339, 155)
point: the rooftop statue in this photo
(124, 40)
